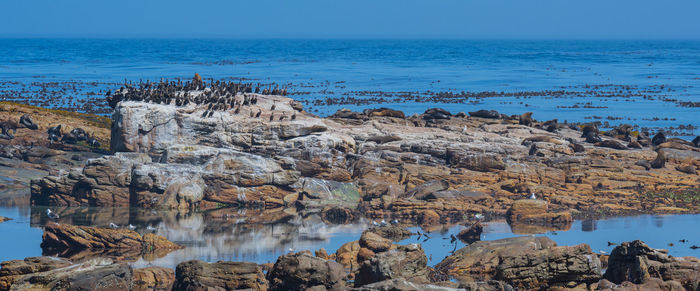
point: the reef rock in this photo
(59, 237)
(56, 274)
(198, 275)
(299, 271)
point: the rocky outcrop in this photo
(535, 211)
(472, 233)
(198, 275)
(299, 271)
(46, 273)
(153, 278)
(404, 262)
(638, 263)
(431, 167)
(62, 237)
(524, 262)
(392, 232)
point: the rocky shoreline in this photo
(265, 153)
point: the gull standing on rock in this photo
(532, 196)
(51, 214)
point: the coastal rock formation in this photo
(198, 275)
(299, 271)
(524, 262)
(471, 234)
(44, 273)
(404, 262)
(153, 278)
(535, 211)
(60, 237)
(425, 167)
(638, 263)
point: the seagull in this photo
(532, 196)
(383, 222)
(51, 214)
(395, 221)
(602, 252)
(113, 226)
(375, 223)
(131, 226)
(151, 228)
(479, 216)
(291, 250)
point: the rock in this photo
(365, 254)
(392, 232)
(198, 275)
(153, 278)
(93, 274)
(11, 271)
(301, 270)
(403, 285)
(58, 237)
(471, 233)
(493, 114)
(374, 242)
(428, 217)
(405, 262)
(424, 190)
(536, 211)
(347, 255)
(696, 141)
(636, 262)
(524, 262)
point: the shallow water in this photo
(238, 235)
(657, 74)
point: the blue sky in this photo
(519, 19)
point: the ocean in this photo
(653, 84)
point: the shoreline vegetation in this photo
(198, 145)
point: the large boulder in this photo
(153, 278)
(299, 271)
(374, 242)
(636, 262)
(198, 275)
(524, 262)
(536, 211)
(58, 237)
(406, 262)
(93, 274)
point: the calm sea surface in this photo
(653, 84)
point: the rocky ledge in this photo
(433, 167)
(522, 263)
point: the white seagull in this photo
(532, 196)
(113, 226)
(51, 214)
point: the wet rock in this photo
(347, 255)
(338, 215)
(301, 270)
(493, 114)
(471, 233)
(524, 262)
(374, 242)
(636, 262)
(536, 211)
(153, 278)
(403, 285)
(392, 232)
(405, 262)
(93, 274)
(63, 236)
(198, 275)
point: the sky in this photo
(462, 19)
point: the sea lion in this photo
(6, 128)
(56, 130)
(27, 121)
(589, 128)
(634, 145)
(578, 148)
(436, 113)
(660, 160)
(592, 137)
(611, 144)
(659, 138)
(525, 119)
(492, 114)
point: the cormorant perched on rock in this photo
(91, 141)
(27, 121)
(56, 130)
(282, 117)
(272, 108)
(238, 109)
(6, 127)
(257, 115)
(272, 116)
(294, 116)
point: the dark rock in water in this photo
(337, 215)
(611, 144)
(658, 139)
(301, 270)
(153, 278)
(527, 263)
(578, 148)
(660, 160)
(638, 263)
(634, 145)
(405, 262)
(45, 273)
(493, 114)
(471, 233)
(392, 232)
(198, 275)
(593, 138)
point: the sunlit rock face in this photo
(378, 161)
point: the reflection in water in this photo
(589, 225)
(262, 236)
